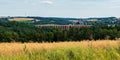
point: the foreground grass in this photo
(85, 50)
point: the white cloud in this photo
(115, 7)
(114, 1)
(48, 2)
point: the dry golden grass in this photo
(14, 48)
(20, 19)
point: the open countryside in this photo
(59, 30)
(30, 41)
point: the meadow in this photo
(80, 50)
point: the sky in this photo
(60, 8)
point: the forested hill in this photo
(26, 32)
(65, 21)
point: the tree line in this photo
(26, 32)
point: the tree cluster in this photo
(25, 32)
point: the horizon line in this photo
(62, 17)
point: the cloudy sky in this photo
(60, 8)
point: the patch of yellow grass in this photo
(16, 48)
(20, 19)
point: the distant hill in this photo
(64, 21)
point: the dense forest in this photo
(26, 32)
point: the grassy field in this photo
(20, 19)
(84, 50)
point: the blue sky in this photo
(60, 8)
